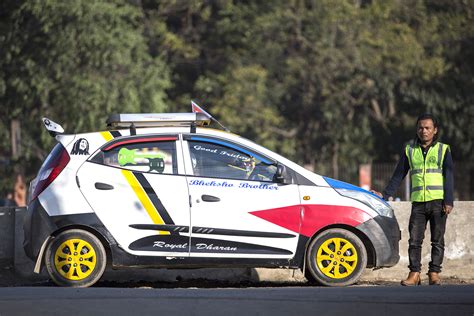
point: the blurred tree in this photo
(450, 95)
(245, 108)
(345, 77)
(327, 82)
(75, 62)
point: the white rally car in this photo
(164, 191)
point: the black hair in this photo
(428, 116)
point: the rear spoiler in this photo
(52, 127)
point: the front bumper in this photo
(384, 234)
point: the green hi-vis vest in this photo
(426, 174)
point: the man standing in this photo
(431, 174)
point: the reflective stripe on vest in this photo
(426, 174)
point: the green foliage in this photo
(75, 62)
(328, 81)
(245, 110)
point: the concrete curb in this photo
(7, 240)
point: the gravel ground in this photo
(9, 279)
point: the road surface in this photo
(292, 300)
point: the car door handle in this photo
(103, 186)
(209, 198)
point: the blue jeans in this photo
(421, 214)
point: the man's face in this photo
(426, 131)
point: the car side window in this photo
(153, 157)
(219, 161)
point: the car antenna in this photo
(197, 109)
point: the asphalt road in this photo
(357, 300)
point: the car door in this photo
(135, 187)
(230, 186)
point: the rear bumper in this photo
(37, 226)
(384, 234)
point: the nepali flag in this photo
(197, 109)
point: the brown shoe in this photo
(434, 278)
(413, 279)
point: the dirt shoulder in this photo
(145, 279)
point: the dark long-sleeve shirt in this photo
(403, 167)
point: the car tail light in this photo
(56, 161)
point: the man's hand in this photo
(447, 208)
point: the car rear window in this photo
(153, 157)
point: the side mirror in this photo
(280, 173)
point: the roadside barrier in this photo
(7, 237)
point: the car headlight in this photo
(377, 204)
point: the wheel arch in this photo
(371, 254)
(105, 242)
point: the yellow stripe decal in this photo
(107, 136)
(144, 199)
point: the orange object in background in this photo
(19, 191)
(365, 176)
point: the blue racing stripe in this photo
(336, 184)
(214, 141)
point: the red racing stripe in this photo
(138, 140)
(315, 217)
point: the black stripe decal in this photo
(176, 243)
(167, 228)
(154, 198)
(235, 232)
(161, 243)
(212, 231)
(115, 134)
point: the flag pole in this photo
(197, 109)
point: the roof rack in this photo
(157, 120)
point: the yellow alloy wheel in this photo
(336, 258)
(75, 259)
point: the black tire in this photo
(80, 267)
(336, 257)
